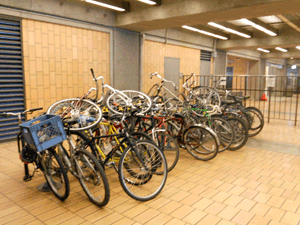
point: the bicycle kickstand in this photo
(26, 177)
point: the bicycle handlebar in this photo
(6, 114)
(185, 83)
(164, 80)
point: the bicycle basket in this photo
(43, 132)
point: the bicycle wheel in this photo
(240, 131)
(223, 129)
(138, 171)
(55, 174)
(78, 114)
(256, 121)
(200, 142)
(134, 100)
(92, 177)
(206, 95)
(169, 147)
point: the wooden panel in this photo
(153, 61)
(54, 61)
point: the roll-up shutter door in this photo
(11, 77)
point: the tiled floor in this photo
(258, 184)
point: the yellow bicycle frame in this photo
(111, 130)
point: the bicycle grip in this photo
(35, 109)
(92, 71)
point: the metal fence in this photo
(276, 96)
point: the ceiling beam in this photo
(293, 61)
(290, 23)
(286, 55)
(176, 13)
(286, 39)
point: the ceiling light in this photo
(204, 32)
(148, 2)
(105, 5)
(298, 47)
(270, 19)
(258, 27)
(263, 50)
(229, 30)
(281, 49)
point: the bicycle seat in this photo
(178, 115)
(228, 102)
(115, 117)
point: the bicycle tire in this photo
(154, 159)
(201, 142)
(223, 129)
(241, 132)
(116, 102)
(169, 147)
(93, 179)
(80, 114)
(153, 92)
(255, 128)
(56, 177)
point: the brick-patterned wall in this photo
(153, 60)
(57, 61)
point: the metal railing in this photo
(276, 96)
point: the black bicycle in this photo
(45, 160)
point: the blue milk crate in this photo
(43, 132)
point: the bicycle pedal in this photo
(27, 178)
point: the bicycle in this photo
(37, 149)
(141, 162)
(212, 118)
(86, 168)
(196, 98)
(199, 140)
(252, 116)
(86, 113)
(155, 126)
(145, 157)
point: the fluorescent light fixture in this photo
(263, 50)
(148, 2)
(298, 47)
(281, 49)
(258, 27)
(270, 19)
(204, 32)
(229, 30)
(105, 5)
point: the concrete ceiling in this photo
(197, 13)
